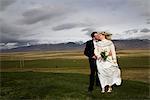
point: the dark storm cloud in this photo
(68, 26)
(11, 29)
(11, 32)
(36, 15)
(11, 38)
(5, 3)
(145, 30)
(7, 38)
(64, 27)
(4, 38)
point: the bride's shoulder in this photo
(109, 42)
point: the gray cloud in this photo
(16, 43)
(137, 31)
(143, 37)
(4, 38)
(136, 34)
(145, 30)
(11, 38)
(64, 27)
(36, 15)
(142, 6)
(24, 30)
(7, 38)
(42, 20)
(88, 30)
(11, 29)
(131, 31)
(69, 26)
(10, 32)
(148, 21)
(5, 3)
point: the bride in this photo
(108, 70)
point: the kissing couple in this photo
(103, 62)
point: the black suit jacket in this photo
(89, 49)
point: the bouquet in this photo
(103, 55)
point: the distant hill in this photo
(120, 44)
(132, 44)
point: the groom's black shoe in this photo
(90, 91)
(97, 84)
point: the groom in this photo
(89, 52)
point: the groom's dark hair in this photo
(92, 35)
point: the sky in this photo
(28, 22)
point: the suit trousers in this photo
(93, 71)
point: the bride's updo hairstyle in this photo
(107, 35)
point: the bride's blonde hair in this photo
(107, 35)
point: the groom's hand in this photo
(94, 57)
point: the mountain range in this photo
(120, 45)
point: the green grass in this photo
(46, 63)
(54, 86)
(66, 86)
(129, 62)
(124, 62)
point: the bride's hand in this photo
(110, 53)
(99, 58)
(115, 63)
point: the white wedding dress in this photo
(108, 71)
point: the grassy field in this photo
(49, 63)
(49, 59)
(64, 75)
(58, 86)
